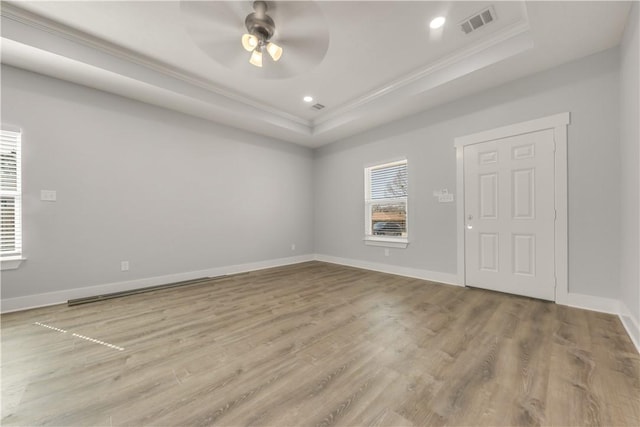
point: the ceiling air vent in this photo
(478, 20)
(317, 106)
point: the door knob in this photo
(469, 226)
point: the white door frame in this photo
(558, 123)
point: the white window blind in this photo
(386, 200)
(10, 195)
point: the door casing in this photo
(559, 123)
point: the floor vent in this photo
(317, 106)
(121, 294)
(478, 20)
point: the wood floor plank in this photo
(317, 344)
(572, 397)
(617, 361)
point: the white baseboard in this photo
(51, 298)
(611, 306)
(631, 324)
(589, 302)
(434, 276)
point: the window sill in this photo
(11, 263)
(388, 242)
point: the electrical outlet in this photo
(48, 195)
(124, 266)
(293, 246)
(386, 251)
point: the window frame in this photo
(12, 260)
(376, 240)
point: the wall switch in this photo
(445, 198)
(124, 266)
(48, 195)
(386, 251)
(293, 246)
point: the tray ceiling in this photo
(383, 60)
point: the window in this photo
(10, 199)
(386, 204)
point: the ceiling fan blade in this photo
(215, 19)
(305, 42)
(303, 34)
(294, 18)
(226, 52)
(301, 53)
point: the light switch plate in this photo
(48, 195)
(445, 198)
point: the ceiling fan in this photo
(217, 26)
(260, 29)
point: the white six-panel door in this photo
(509, 214)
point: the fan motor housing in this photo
(259, 23)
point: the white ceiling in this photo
(382, 62)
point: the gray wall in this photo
(167, 192)
(172, 193)
(630, 159)
(588, 88)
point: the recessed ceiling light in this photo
(437, 22)
(308, 98)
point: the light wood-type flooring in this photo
(317, 344)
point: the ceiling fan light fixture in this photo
(249, 42)
(260, 29)
(256, 58)
(274, 50)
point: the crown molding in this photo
(11, 11)
(507, 33)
